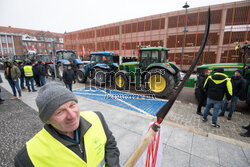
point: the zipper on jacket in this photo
(80, 148)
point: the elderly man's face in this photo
(66, 118)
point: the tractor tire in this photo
(81, 77)
(101, 77)
(59, 70)
(49, 71)
(177, 78)
(159, 82)
(121, 81)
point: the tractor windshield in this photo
(164, 56)
(66, 55)
(101, 59)
(148, 57)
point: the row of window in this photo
(5, 50)
(3, 39)
(40, 44)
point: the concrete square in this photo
(231, 155)
(174, 158)
(198, 162)
(205, 148)
(181, 140)
(166, 132)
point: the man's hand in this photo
(14, 80)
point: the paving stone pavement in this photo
(19, 122)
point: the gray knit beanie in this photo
(50, 97)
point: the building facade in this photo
(17, 41)
(230, 22)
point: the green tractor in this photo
(230, 68)
(151, 73)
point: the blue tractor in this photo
(101, 68)
(63, 59)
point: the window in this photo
(3, 39)
(9, 40)
(29, 43)
(4, 49)
(49, 45)
(39, 44)
(50, 51)
(57, 45)
(40, 50)
(24, 44)
(11, 50)
(0, 50)
(61, 45)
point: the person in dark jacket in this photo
(217, 86)
(238, 86)
(36, 76)
(12, 73)
(20, 66)
(41, 72)
(69, 77)
(202, 94)
(69, 137)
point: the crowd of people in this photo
(217, 91)
(31, 74)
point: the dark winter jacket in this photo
(12, 72)
(35, 69)
(41, 69)
(22, 71)
(68, 76)
(201, 94)
(238, 86)
(218, 86)
(111, 151)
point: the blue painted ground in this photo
(129, 101)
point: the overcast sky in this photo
(71, 15)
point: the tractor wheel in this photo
(49, 71)
(121, 81)
(101, 77)
(81, 78)
(60, 70)
(177, 78)
(159, 82)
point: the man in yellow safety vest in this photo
(29, 76)
(69, 138)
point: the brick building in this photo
(13, 41)
(229, 22)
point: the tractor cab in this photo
(101, 58)
(152, 55)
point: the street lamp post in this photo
(185, 30)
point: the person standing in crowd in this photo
(69, 77)
(69, 137)
(12, 73)
(238, 88)
(20, 66)
(29, 76)
(41, 71)
(201, 93)
(246, 134)
(36, 76)
(216, 86)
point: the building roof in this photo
(28, 31)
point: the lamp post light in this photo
(185, 30)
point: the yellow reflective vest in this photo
(45, 151)
(28, 72)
